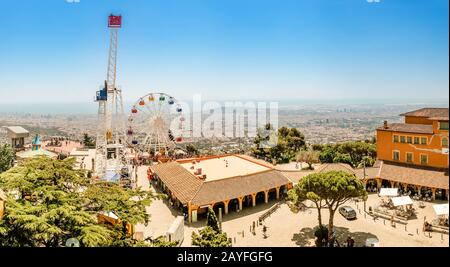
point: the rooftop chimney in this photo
(385, 125)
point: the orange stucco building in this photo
(416, 152)
(421, 140)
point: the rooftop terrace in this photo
(223, 167)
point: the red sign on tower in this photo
(114, 21)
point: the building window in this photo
(402, 139)
(443, 126)
(396, 155)
(423, 140)
(445, 142)
(416, 140)
(409, 157)
(395, 138)
(409, 140)
(423, 159)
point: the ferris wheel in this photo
(155, 125)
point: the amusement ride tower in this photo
(110, 155)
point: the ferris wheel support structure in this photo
(110, 154)
(156, 125)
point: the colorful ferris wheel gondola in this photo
(156, 127)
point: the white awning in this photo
(388, 192)
(401, 201)
(441, 209)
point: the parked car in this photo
(348, 212)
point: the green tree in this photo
(211, 235)
(353, 153)
(6, 157)
(317, 147)
(308, 156)
(283, 132)
(295, 140)
(88, 141)
(211, 220)
(336, 188)
(327, 155)
(52, 201)
(327, 190)
(310, 188)
(366, 161)
(342, 158)
(208, 237)
(161, 241)
(280, 146)
(192, 150)
(128, 204)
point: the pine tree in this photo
(50, 201)
(211, 220)
(6, 157)
(88, 141)
(208, 237)
(211, 235)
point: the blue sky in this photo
(55, 51)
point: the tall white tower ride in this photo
(110, 154)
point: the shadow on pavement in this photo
(306, 237)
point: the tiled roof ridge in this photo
(414, 113)
(185, 171)
(344, 165)
(427, 168)
(196, 193)
(408, 128)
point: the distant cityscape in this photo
(321, 124)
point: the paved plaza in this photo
(285, 228)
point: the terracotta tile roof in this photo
(371, 172)
(295, 176)
(408, 128)
(335, 167)
(439, 118)
(230, 188)
(377, 163)
(180, 181)
(427, 112)
(423, 176)
(187, 187)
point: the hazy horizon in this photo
(85, 108)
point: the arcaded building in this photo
(231, 182)
(414, 154)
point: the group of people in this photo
(372, 189)
(333, 242)
(350, 242)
